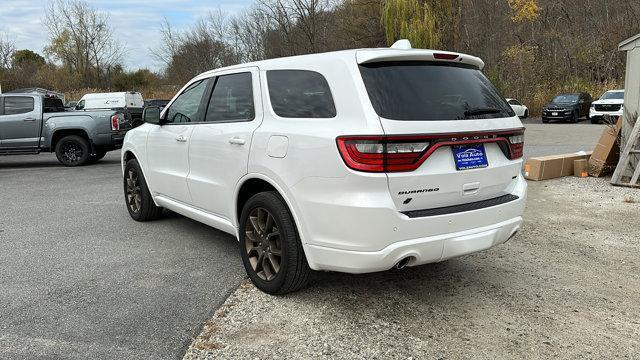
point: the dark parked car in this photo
(567, 107)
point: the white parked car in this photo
(519, 108)
(611, 103)
(353, 161)
(111, 100)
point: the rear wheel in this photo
(136, 193)
(99, 154)
(526, 114)
(270, 247)
(73, 150)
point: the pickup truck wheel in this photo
(270, 247)
(73, 150)
(136, 194)
(94, 158)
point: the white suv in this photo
(354, 161)
(610, 104)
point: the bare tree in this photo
(81, 38)
(7, 49)
(170, 42)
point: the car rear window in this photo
(423, 90)
(300, 94)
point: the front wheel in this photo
(136, 193)
(73, 150)
(270, 247)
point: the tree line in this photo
(532, 48)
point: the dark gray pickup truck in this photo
(31, 124)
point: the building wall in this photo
(632, 91)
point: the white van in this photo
(353, 161)
(111, 100)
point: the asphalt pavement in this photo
(79, 279)
(559, 138)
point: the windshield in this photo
(422, 90)
(569, 98)
(613, 95)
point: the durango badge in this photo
(418, 191)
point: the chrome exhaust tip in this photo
(402, 263)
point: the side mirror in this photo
(151, 115)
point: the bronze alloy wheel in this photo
(263, 244)
(134, 194)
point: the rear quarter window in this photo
(18, 105)
(300, 94)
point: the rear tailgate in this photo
(449, 113)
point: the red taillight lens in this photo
(516, 146)
(406, 153)
(382, 154)
(115, 123)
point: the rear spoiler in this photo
(378, 55)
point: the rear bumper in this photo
(361, 230)
(418, 251)
(110, 141)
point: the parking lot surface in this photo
(79, 279)
(567, 286)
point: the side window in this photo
(80, 105)
(513, 102)
(18, 105)
(231, 99)
(300, 94)
(185, 107)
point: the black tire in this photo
(595, 120)
(136, 194)
(575, 117)
(526, 114)
(99, 154)
(293, 270)
(545, 120)
(73, 150)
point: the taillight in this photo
(382, 154)
(406, 153)
(516, 146)
(115, 123)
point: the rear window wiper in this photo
(481, 111)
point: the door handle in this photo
(237, 141)
(181, 138)
(29, 119)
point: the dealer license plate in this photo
(470, 156)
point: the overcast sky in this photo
(136, 22)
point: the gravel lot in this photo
(567, 286)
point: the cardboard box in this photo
(553, 166)
(606, 153)
(581, 168)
